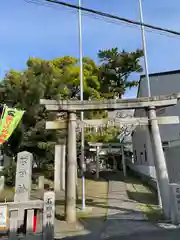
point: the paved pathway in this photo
(125, 221)
(124, 217)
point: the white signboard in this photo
(92, 149)
(48, 215)
(3, 217)
(175, 202)
(177, 195)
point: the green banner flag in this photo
(9, 121)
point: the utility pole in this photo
(144, 48)
(159, 159)
(81, 98)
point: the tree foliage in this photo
(59, 79)
(116, 67)
(103, 135)
(9, 173)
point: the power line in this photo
(108, 20)
(107, 15)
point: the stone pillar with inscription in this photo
(48, 215)
(23, 183)
(175, 202)
(23, 177)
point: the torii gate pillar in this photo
(71, 169)
(159, 161)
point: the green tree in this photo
(24, 90)
(57, 79)
(116, 67)
(114, 72)
(105, 135)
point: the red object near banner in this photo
(35, 221)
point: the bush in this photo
(9, 173)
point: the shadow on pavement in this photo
(140, 191)
(124, 229)
(92, 203)
(124, 224)
(105, 175)
(155, 235)
(142, 197)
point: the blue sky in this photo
(29, 30)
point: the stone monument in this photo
(23, 176)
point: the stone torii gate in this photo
(97, 124)
(148, 104)
(99, 146)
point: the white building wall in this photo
(160, 85)
(141, 143)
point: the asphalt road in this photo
(162, 234)
(155, 235)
